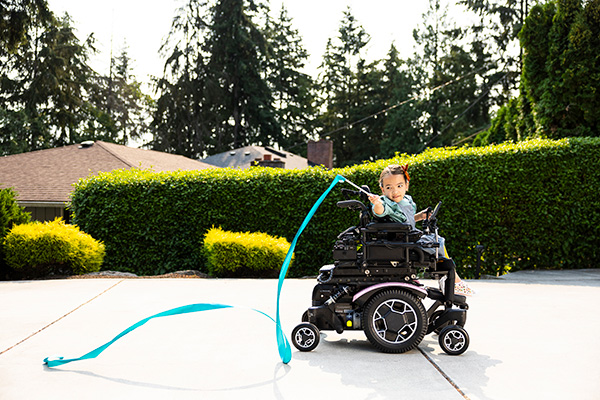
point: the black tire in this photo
(394, 321)
(454, 340)
(305, 336)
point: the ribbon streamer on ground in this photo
(285, 352)
(190, 308)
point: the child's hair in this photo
(394, 169)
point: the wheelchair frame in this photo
(372, 286)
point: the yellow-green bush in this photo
(38, 249)
(237, 254)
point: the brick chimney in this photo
(320, 153)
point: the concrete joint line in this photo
(437, 367)
(53, 322)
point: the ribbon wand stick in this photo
(359, 188)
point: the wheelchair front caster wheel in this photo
(454, 340)
(305, 336)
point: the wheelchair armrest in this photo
(352, 204)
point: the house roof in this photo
(243, 157)
(46, 176)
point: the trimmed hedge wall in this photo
(533, 204)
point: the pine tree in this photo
(43, 87)
(455, 105)
(214, 95)
(292, 89)
(241, 101)
(117, 107)
(494, 38)
(181, 122)
(342, 91)
(17, 19)
(401, 132)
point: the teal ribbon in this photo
(285, 351)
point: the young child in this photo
(400, 207)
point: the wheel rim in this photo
(455, 340)
(395, 321)
(305, 337)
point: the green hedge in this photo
(532, 204)
(37, 249)
(243, 254)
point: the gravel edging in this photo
(189, 274)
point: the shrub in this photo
(10, 214)
(37, 249)
(533, 204)
(235, 254)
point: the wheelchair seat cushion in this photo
(389, 227)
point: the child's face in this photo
(394, 187)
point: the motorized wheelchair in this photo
(373, 286)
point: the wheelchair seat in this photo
(388, 227)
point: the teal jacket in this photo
(403, 211)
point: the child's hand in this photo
(374, 199)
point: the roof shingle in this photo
(48, 175)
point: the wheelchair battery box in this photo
(344, 249)
(386, 251)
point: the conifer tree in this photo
(240, 101)
(117, 107)
(401, 134)
(291, 87)
(455, 105)
(342, 91)
(181, 122)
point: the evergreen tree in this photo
(455, 105)
(402, 133)
(43, 87)
(181, 122)
(49, 95)
(18, 18)
(561, 68)
(343, 90)
(561, 75)
(581, 75)
(215, 95)
(117, 106)
(494, 38)
(240, 99)
(292, 89)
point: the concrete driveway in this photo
(533, 335)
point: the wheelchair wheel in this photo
(395, 321)
(454, 340)
(305, 336)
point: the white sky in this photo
(143, 24)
